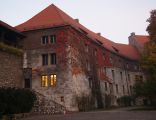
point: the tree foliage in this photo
(151, 29)
(148, 63)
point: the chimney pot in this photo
(77, 20)
(133, 33)
(99, 34)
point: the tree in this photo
(151, 29)
(148, 63)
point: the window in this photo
(121, 76)
(95, 52)
(123, 89)
(53, 39)
(104, 56)
(139, 78)
(131, 89)
(44, 59)
(111, 87)
(87, 65)
(117, 88)
(86, 48)
(129, 79)
(113, 75)
(111, 60)
(53, 58)
(127, 65)
(53, 80)
(62, 98)
(44, 81)
(45, 39)
(106, 86)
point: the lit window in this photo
(44, 39)
(53, 80)
(44, 59)
(53, 39)
(53, 58)
(44, 81)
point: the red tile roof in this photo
(142, 39)
(128, 51)
(53, 16)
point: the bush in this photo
(125, 101)
(85, 103)
(107, 101)
(16, 100)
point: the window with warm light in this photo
(53, 80)
(44, 81)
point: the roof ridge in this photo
(58, 11)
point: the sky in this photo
(114, 19)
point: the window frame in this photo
(53, 59)
(52, 39)
(53, 80)
(44, 81)
(44, 39)
(45, 59)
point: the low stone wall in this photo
(11, 74)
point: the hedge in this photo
(16, 100)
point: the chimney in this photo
(98, 34)
(132, 34)
(77, 20)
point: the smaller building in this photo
(138, 41)
(11, 74)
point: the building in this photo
(68, 62)
(11, 71)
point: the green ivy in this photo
(11, 49)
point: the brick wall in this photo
(10, 70)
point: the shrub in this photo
(85, 103)
(16, 100)
(125, 100)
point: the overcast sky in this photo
(114, 19)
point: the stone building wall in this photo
(68, 86)
(11, 74)
(79, 61)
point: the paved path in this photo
(118, 114)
